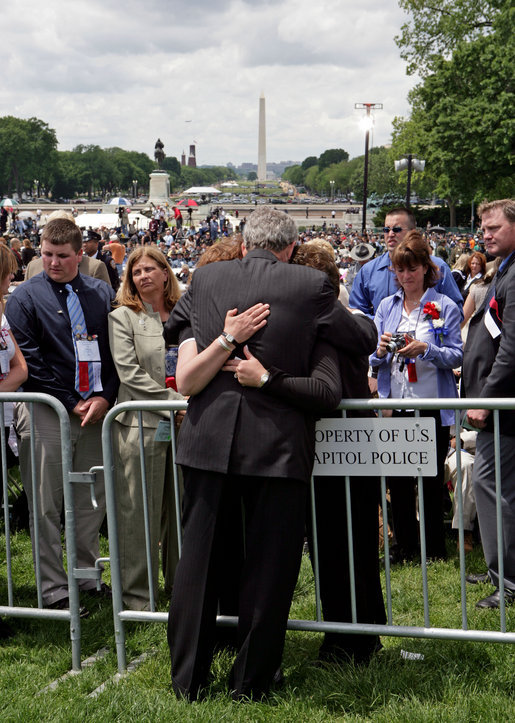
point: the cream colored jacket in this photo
(138, 349)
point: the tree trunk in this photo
(452, 212)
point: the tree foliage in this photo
(435, 28)
(28, 153)
(308, 162)
(346, 174)
(331, 156)
(462, 119)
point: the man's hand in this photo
(477, 417)
(91, 410)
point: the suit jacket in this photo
(87, 267)
(38, 315)
(138, 349)
(488, 364)
(230, 428)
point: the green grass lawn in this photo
(455, 681)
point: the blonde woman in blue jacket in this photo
(428, 324)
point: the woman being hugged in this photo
(424, 328)
(147, 295)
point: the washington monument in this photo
(261, 173)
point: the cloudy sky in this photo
(111, 73)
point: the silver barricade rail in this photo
(318, 625)
(74, 574)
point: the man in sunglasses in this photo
(376, 280)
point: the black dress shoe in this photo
(104, 592)
(6, 630)
(398, 556)
(494, 600)
(64, 604)
(360, 655)
(477, 577)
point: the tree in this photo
(308, 162)
(435, 29)
(294, 174)
(333, 155)
(28, 152)
(252, 176)
(205, 176)
(462, 121)
(171, 163)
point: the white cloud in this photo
(103, 72)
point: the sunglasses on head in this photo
(395, 229)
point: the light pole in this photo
(368, 123)
(36, 187)
(409, 162)
(332, 191)
(134, 189)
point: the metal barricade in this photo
(68, 480)
(318, 625)
(120, 615)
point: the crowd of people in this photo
(251, 328)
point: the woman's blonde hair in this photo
(8, 264)
(127, 294)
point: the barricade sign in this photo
(375, 447)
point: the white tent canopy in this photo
(200, 191)
(109, 220)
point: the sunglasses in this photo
(395, 229)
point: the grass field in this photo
(455, 681)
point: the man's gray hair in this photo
(268, 228)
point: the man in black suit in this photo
(488, 371)
(238, 443)
(91, 246)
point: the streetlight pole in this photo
(134, 189)
(409, 162)
(368, 123)
(332, 191)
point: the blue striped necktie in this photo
(78, 324)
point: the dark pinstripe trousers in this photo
(274, 514)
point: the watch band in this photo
(229, 338)
(264, 378)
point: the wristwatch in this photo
(264, 378)
(229, 338)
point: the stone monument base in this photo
(159, 192)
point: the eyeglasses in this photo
(395, 229)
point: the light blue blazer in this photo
(446, 355)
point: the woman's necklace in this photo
(411, 304)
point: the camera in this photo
(397, 342)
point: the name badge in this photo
(163, 432)
(5, 366)
(87, 350)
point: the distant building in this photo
(192, 161)
(183, 158)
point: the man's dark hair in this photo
(406, 211)
(61, 231)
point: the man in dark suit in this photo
(238, 443)
(58, 347)
(91, 247)
(488, 371)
